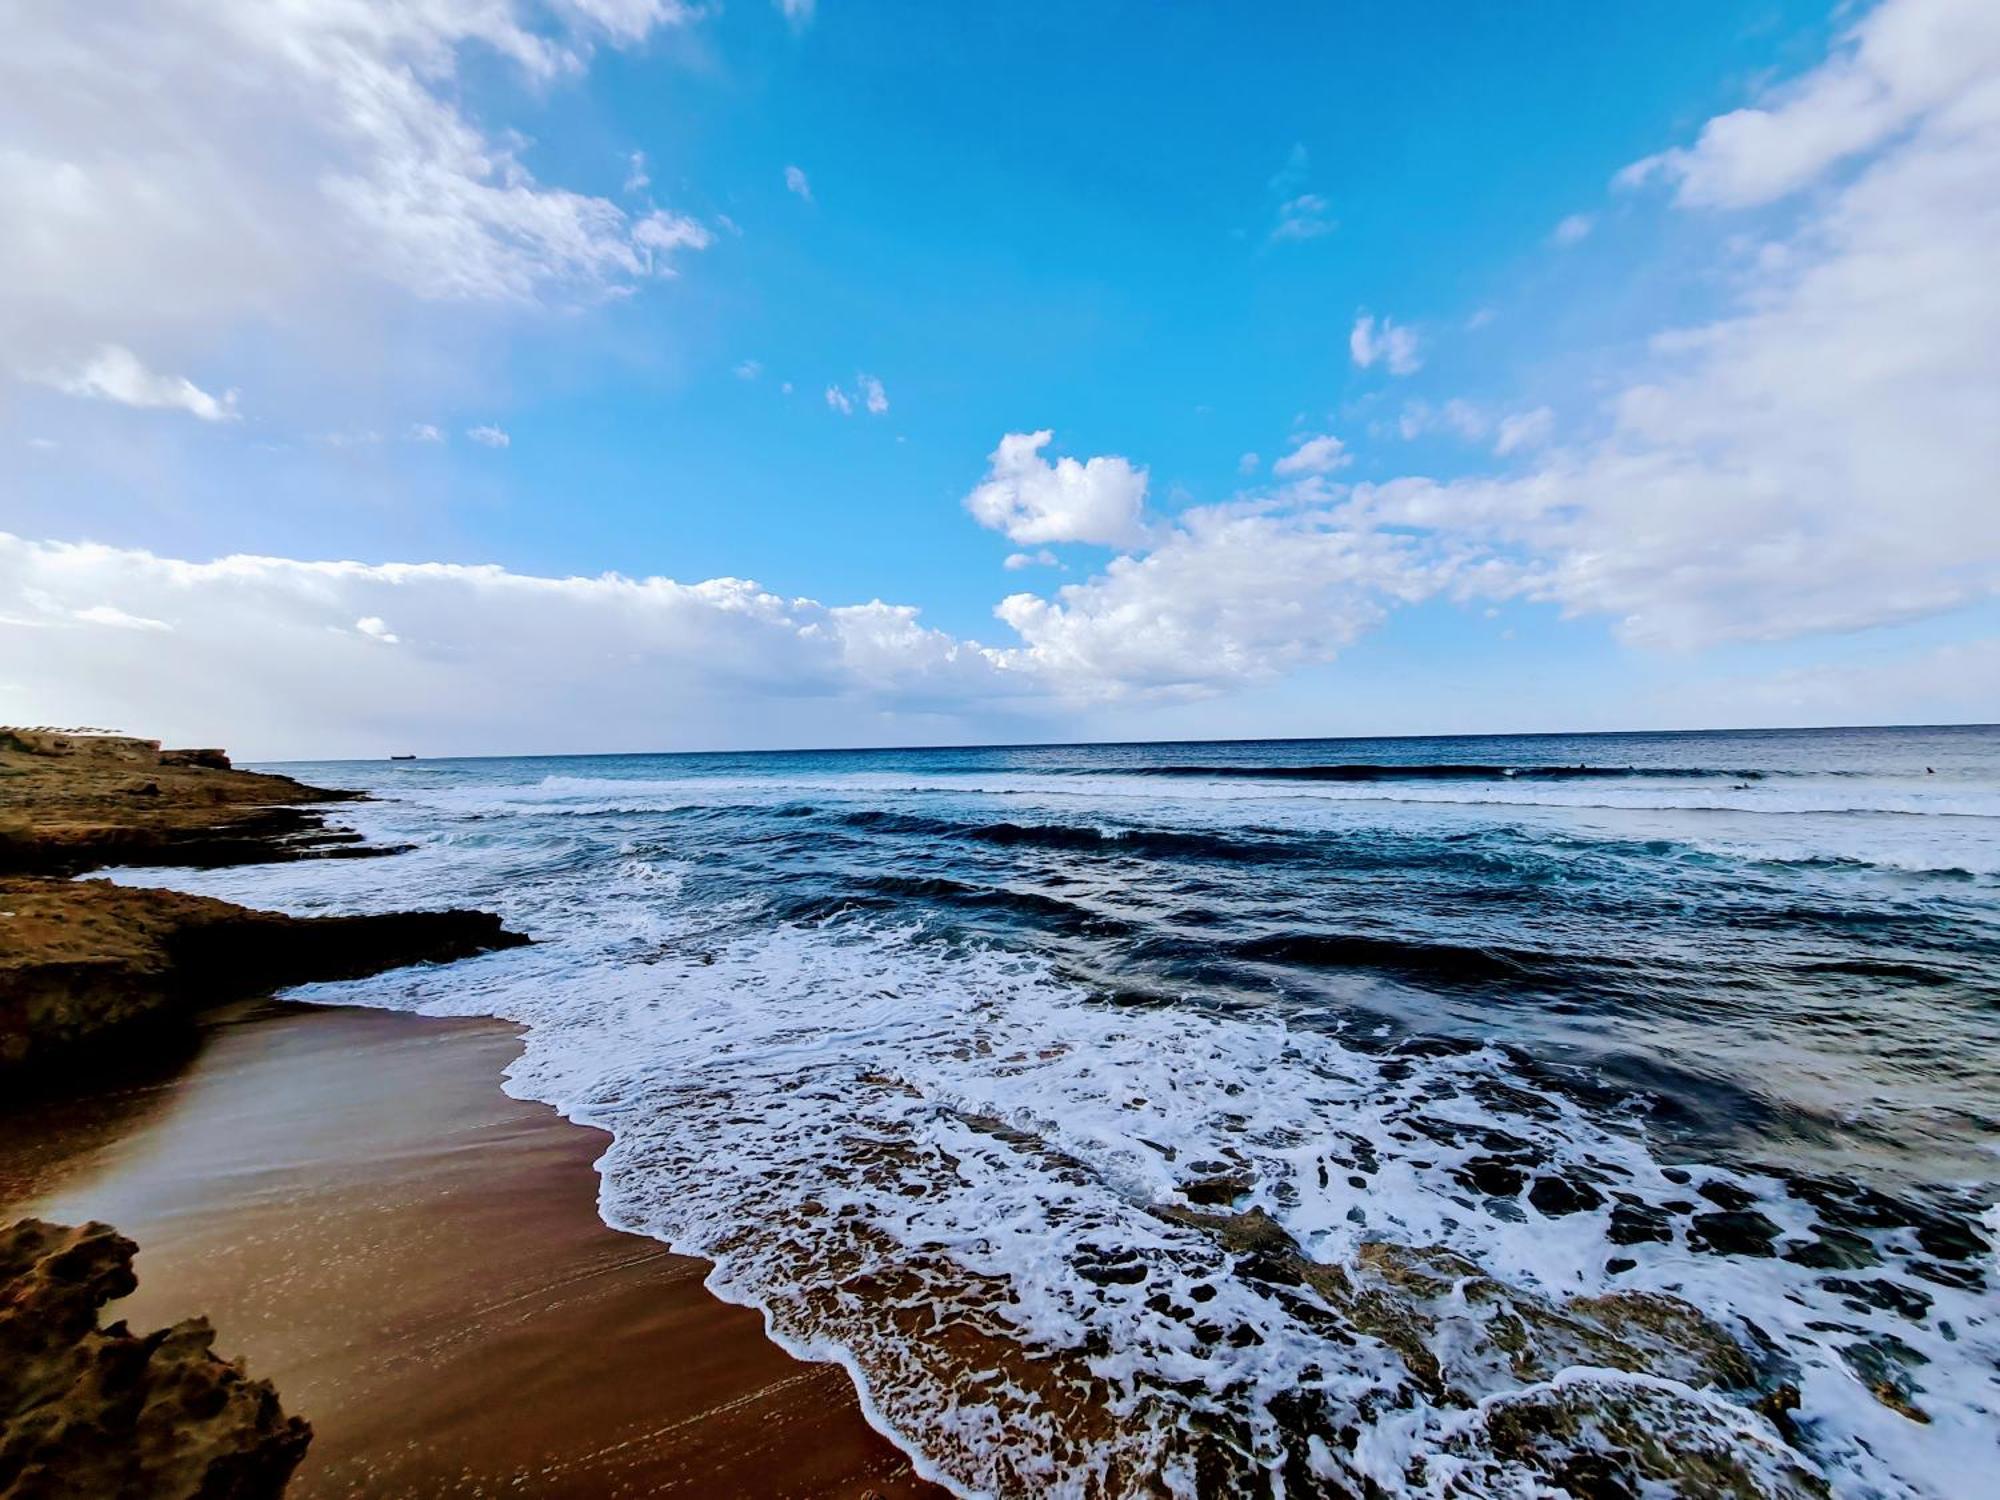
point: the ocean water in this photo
(971, 1069)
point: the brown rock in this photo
(91, 962)
(70, 803)
(105, 1412)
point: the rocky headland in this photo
(90, 970)
(88, 966)
(75, 802)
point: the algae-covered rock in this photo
(1617, 1395)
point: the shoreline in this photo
(416, 1260)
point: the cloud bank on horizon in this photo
(1811, 458)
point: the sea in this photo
(1294, 1117)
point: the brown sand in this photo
(416, 1261)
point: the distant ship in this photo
(402, 757)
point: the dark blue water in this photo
(949, 1029)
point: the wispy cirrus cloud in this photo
(115, 373)
(1384, 342)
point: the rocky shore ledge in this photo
(90, 970)
(87, 966)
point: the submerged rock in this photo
(1609, 1438)
(1601, 1396)
(105, 1412)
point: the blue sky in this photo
(1559, 478)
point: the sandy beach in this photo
(416, 1261)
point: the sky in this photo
(542, 376)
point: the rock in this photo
(88, 962)
(1602, 1437)
(1531, 1386)
(70, 803)
(1635, 1223)
(207, 760)
(1880, 1292)
(1733, 1233)
(1492, 1176)
(1727, 1195)
(1218, 1191)
(84, 964)
(1556, 1196)
(86, 1411)
(1834, 1250)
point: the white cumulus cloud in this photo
(1033, 501)
(286, 657)
(489, 436)
(798, 184)
(1320, 454)
(1902, 63)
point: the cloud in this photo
(1314, 455)
(1904, 62)
(490, 437)
(425, 432)
(798, 14)
(1289, 178)
(1821, 457)
(1248, 463)
(797, 183)
(1524, 429)
(1039, 559)
(1815, 455)
(1387, 342)
(1306, 217)
(1033, 501)
(186, 169)
(1461, 418)
(748, 369)
(868, 394)
(1230, 595)
(117, 374)
(637, 179)
(286, 657)
(117, 619)
(1572, 229)
(1958, 682)
(1300, 215)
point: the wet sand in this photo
(416, 1261)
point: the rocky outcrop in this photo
(70, 803)
(91, 962)
(105, 1412)
(85, 964)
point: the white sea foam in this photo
(921, 1158)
